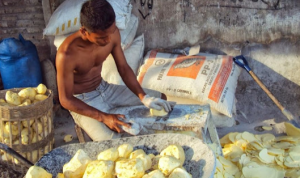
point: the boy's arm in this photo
(65, 84)
(130, 79)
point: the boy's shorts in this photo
(105, 98)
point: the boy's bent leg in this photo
(120, 95)
(95, 129)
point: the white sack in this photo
(66, 18)
(127, 35)
(133, 57)
(210, 79)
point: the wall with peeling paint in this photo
(266, 32)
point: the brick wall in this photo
(24, 17)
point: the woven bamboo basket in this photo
(26, 129)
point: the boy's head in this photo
(97, 15)
(97, 18)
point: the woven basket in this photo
(39, 137)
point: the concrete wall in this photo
(266, 32)
(24, 17)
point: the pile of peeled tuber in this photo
(122, 162)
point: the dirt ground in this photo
(64, 125)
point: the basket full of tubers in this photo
(26, 123)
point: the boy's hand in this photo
(157, 103)
(112, 121)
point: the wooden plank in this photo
(79, 134)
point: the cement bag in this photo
(66, 18)
(19, 63)
(127, 35)
(210, 79)
(133, 56)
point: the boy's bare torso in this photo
(87, 59)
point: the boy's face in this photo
(101, 37)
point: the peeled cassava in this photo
(111, 154)
(75, 168)
(176, 151)
(99, 169)
(36, 171)
(131, 168)
(125, 150)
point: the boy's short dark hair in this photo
(97, 15)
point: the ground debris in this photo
(6, 172)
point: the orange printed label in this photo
(147, 65)
(221, 79)
(186, 66)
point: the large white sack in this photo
(127, 35)
(207, 78)
(66, 18)
(133, 55)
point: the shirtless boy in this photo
(81, 88)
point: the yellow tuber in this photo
(146, 160)
(41, 89)
(5, 133)
(36, 137)
(155, 112)
(60, 175)
(76, 166)
(176, 151)
(27, 93)
(25, 123)
(26, 134)
(136, 153)
(26, 102)
(12, 98)
(40, 97)
(12, 128)
(100, 169)
(34, 155)
(125, 150)
(39, 128)
(154, 174)
(131, 168)
(36, 171)
(179, 172)
(111, 154)
(167, 164)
